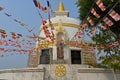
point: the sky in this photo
(25, 12)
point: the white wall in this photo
(96, 74)
(73, 72)
(22, 74)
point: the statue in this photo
(60, 49)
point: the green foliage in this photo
(112, 55)
(113, 61)
(104, 38)
(84, 7)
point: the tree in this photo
(107, 40)
(85, 7)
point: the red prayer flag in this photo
(1, 49)
(95, 13)
(44, 9)
(100, 5)
(90, 21)
(37, 4)
(3, 33)
(13, 35)
(44, 22)
(108, 21)
(1, 42)
(79, 34)
(104, 27)
(19, 35)
(116, 43)
(93, 31)
(1, 8)
(114, 15)
(83, 25)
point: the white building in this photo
(60, 54)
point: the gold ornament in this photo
(60, 70)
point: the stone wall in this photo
(96, 74)
(47, 72)
(22, 74)
(78, 72)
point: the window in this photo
(75, 57)
(45, 56)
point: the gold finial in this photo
(61, 7)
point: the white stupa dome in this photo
(62, 23)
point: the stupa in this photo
(64, 50)
(60, 54)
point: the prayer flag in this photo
(93, 31)
(37, 4)
(114, 15)
(3, 33)
(108, 21)
(95, 13)
(1, 42)
(49, 5)
(44, 9)
(100, 5)
(116, 42)
(90, 21)
(19, 35)
(1, 49)
(104, 27)
(23, 24)
(1, 8)
(83, 25)
(13, 35)
(8, 14)
(2, 30)
(44, 22)
(79, 34)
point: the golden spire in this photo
(61, 11)
(61, 7)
